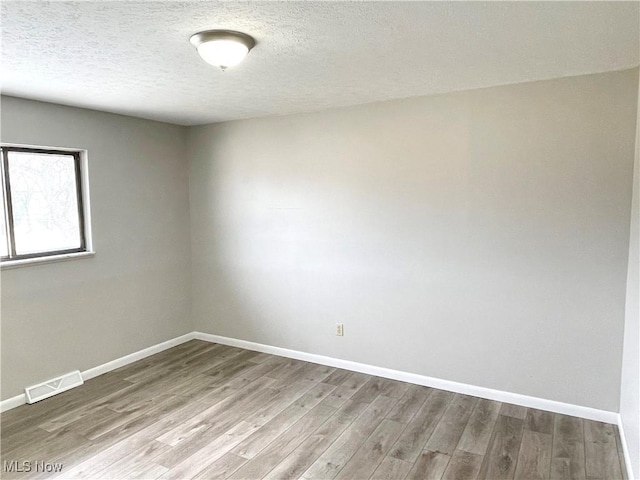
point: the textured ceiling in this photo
(135, 58)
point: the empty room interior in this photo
(320, 240)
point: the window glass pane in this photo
(44, 201)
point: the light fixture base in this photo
(222, 48)
(199, 38)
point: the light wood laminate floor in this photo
(203, 410)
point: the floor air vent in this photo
(47, 389)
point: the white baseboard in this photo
(13, 402)
(135, 356)
(18, 400)
(625, 448)
(473, 390)
(476, 391)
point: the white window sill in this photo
(65, 257)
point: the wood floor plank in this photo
(20, 440)
(392, 469)
(17, 420)
(221, 468)
(347, 389)
(394, 388)
(379, 386)
(318, 373)
(154, 385)
(74, 414)
(415, 436)
(162, 359)
(204, 388)
(134, 403)
(298, 461)
(193, 464)
(337, 377)
(144, 370)
(261, 357)
(463, 466)
(447, 433)
(74, 463)
(211, 411)
(169, 415)
(534, 459)
(252, 445)
(568, 460)
(65, 444)
(339, 453)
(103, 427)
(132, 463)
(157, 358)
(369, 391)
(282, 399)
(315, 395)
(150, 470)
(409, 404)
(86, 426)
(217, 426)
(261, 367)
(119, 442)
(285, 366)
(515, 411)
(300, 372)
(211, 355)
(477, 433)
(231, 368)
(284, 444)
(601, 452)
(429, 466)
(367, 458)
(209, 416)
(502, 454)
(539, 421)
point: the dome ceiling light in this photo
(222, 48)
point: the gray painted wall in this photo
(630, 381)
(135, 292)
(480, 237)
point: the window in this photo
(43, 204)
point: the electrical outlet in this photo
(339, 330)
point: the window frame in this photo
(81, 196)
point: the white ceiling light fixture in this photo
(222, 48)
